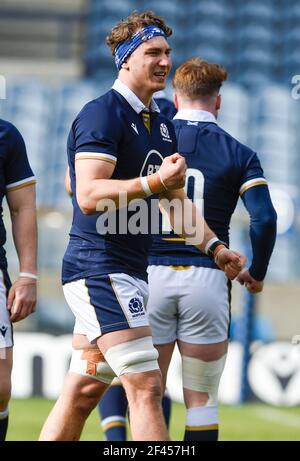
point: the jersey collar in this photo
(195, 115)
(132, 98)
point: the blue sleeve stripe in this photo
(251, 183)
(96, 156)
(23, 183)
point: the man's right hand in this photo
(172, 171)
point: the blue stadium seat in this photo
(210, 53)
(29, 108)
(216, 11)
(235, 111)
(117, 8)
(257, 12)
(274, 104)
(172, 11)
(257, 34)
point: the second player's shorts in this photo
(6, 332)
(192, 305)
(107, 303)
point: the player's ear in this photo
(175, 100)
(125, 65)
(218, 102)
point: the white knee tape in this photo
(201, 376)
(136, 356)
(91, 363)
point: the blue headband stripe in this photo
(125, 49)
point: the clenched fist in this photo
(172, 171)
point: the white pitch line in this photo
(278, 417)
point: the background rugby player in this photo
(17, 300)
(189, 300)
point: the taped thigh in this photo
(201, 376)
(91, 363)
(136, 356)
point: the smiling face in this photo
(147, 68)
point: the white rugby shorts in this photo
(6, 333)
(106, 303)
(192, 304)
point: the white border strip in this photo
(252, 181)
(97, 155)
(18, 183)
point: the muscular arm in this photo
(22, 295)
(185, 219)
(68, 182)
(93, 184)
(187, 222)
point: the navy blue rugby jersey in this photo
(111, 128)
(220, 169)
(15, 172)
(166, 106)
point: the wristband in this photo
(212, 246)
(145, 185)
(29, 275)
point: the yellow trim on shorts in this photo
(173, 239)
(180, 268)
(211, 427)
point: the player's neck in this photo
(139, 90)
(195, 105)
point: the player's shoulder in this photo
(166, 107)
(10, 132)
(98, 105)
(100, 112)
(237, 146)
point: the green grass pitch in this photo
(247, 422)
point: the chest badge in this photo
(165, 132)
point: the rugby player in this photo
(120, 149)
(113, 405)
(17, 300)
(189, 300)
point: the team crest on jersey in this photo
(3, 330)
(165, 132)
(136, 307)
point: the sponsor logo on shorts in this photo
(3, 330)
(136, 307)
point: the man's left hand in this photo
(21, 299)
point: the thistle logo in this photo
(3, 330)
(165, 132)
(135, 306)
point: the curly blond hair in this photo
(198, 78)
(128, 26)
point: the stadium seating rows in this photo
(257, 41)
